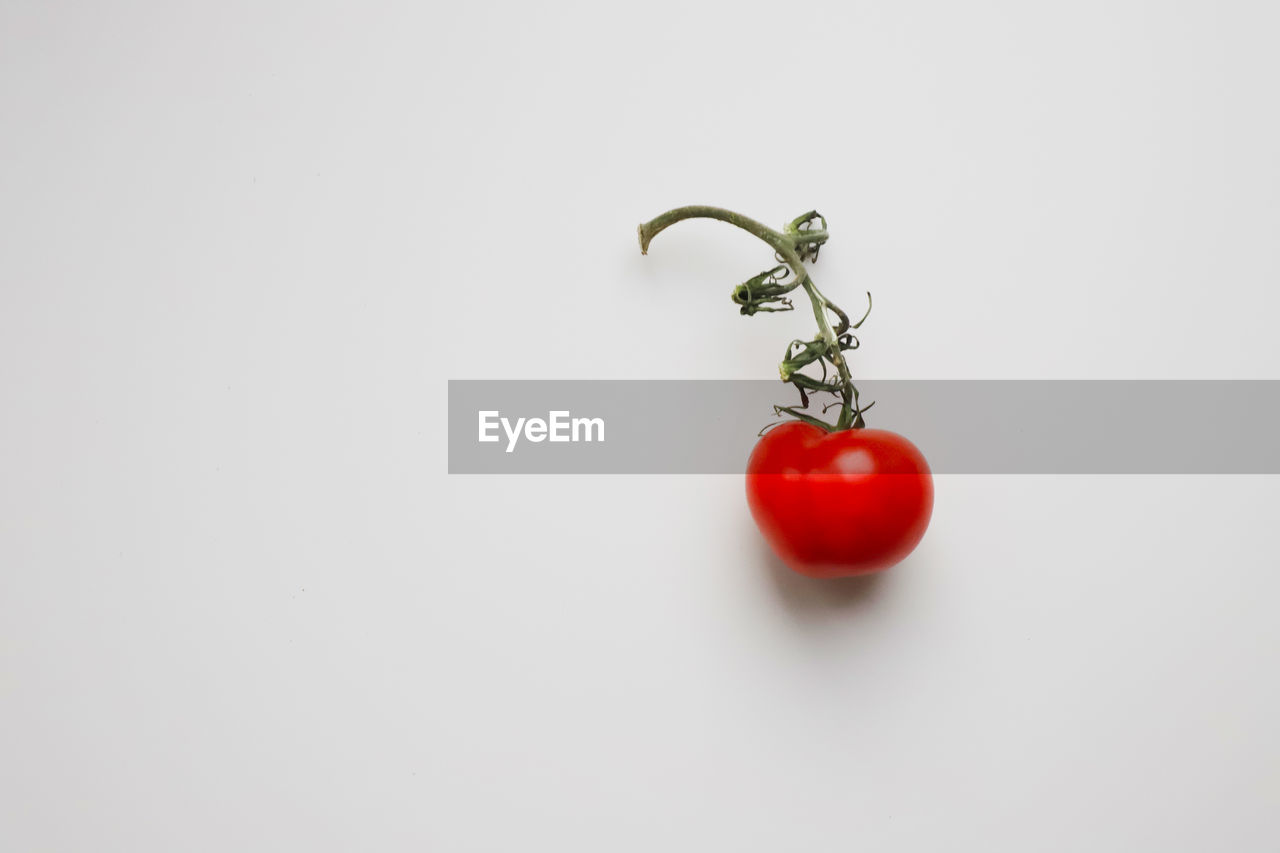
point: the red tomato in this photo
(839, 503)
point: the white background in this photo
(243, 246)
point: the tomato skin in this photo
(842, 503)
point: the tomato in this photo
(832, 502)
(839, 503)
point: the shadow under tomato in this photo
(807, 597)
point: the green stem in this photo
(787, 245)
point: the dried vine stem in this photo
(797, 243)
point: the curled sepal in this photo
(799, 354)
(865, 314)
(804, 382)
(766, 291)
(858, 409)
(809, 232)
(801, 416)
